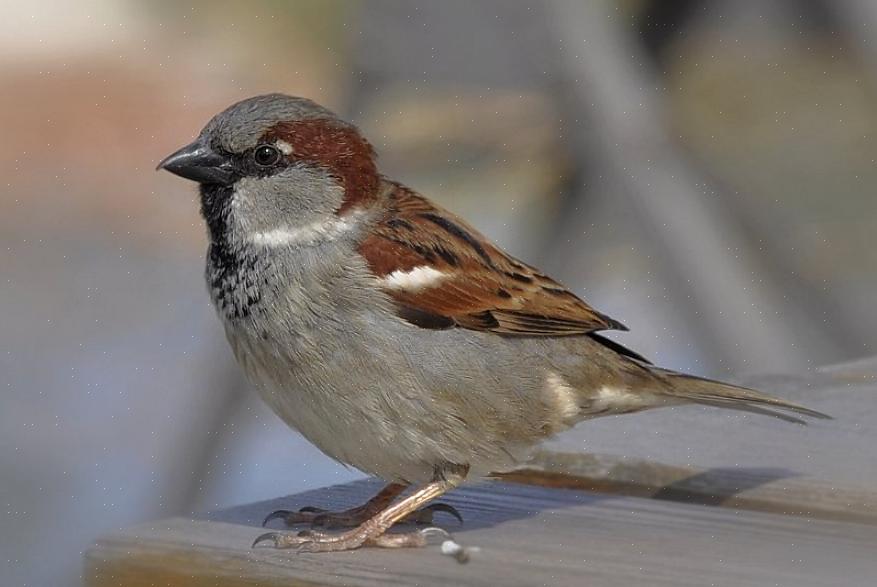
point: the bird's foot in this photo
(373, 531)
(363, 535)
(351, 518)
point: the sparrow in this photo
(388, 331)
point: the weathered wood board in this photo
(527, 536)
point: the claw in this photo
(435, 532)
(275, 515)
(282, 540)
(425, 515)
(446, 508)
(272, 536)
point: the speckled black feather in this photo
(231, 271)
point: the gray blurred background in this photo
(702, 170)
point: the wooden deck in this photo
(757, 502)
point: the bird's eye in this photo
(266, 155)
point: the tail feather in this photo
(725, 395)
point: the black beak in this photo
(200, 163)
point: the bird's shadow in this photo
(490, 503)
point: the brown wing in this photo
(481, 287)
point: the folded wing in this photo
(441, 272)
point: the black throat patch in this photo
(235, 273)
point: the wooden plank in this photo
(765, 490)
(527, 536)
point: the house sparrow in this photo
(388, 331)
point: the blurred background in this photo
(702, 170)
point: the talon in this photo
(425, 515)
(434, 532)
(446, 508)
(275, 515)
(272, 536)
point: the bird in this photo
(392, 334)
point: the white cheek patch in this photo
(415, 279)
(283, 146)
(562, 398)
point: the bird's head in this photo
(277, 161)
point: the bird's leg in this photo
(357, 515)
(372, 531)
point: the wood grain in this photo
(756, 489)
(527, 535)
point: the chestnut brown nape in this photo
(340, 148)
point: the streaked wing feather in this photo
(485, 289)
